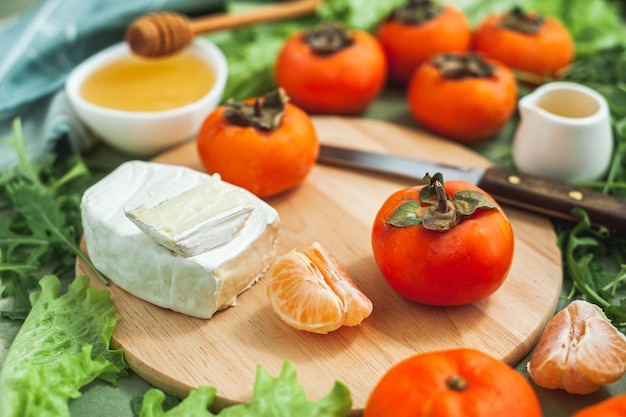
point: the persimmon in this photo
(611, 407)
(310, 290)
(578, 351)
(526, 42)
(444, 243)
(417, 30)
(462, 96)
(265, 145)
(459, 382)
(331, 69)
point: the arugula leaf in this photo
(595, 266)
(271, 397)
(41, 222)
(55, 354)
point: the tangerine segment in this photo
(311, 291)
(301, 297)
(358, 306)
(579, 351)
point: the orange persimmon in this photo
(444, 257)
(331, 69)
(265, 145)
(462, 96)
(415, 31)
(526, 42)
(459, 382)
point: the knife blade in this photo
(529, 192)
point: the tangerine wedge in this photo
(579, 351)
(310, 290)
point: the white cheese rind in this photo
(199, 219)
(197, 285)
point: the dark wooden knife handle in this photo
(554, 198)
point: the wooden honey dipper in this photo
(162, 34)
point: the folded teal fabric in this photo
(41, 47)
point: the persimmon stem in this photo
(264, 113)
(458, 66)
(416, 12)
(457, 383)
(328, 38)
(442, 198)
(517, 19)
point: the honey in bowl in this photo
(136, 84)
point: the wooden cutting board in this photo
(336, 207)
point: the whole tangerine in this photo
(459, 382)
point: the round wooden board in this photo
(336, 207)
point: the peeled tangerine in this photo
(311, 291)
(579, 351)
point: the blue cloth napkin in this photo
(40, 48)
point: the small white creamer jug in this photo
(564, 133)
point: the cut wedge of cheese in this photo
(197, 220)
(196, 285)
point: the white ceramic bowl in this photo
(146, 133)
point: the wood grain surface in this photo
(336, 207)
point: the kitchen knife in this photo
(529, 192)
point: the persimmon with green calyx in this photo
(265, 144)
(534, 46)
(464, 97)
(331, 69)
(443, 244)
(458, 382)
(417, 30)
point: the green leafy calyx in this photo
(328, 38)
(436, 210)
(416, 12)
(459, 66)
(264, 113)
(520, 21)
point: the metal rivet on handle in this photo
(575, 195)
(514, 179)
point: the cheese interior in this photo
(195, 285)
(196, 220)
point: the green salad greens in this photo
(40, 224)
(62, 346)
(271, 397)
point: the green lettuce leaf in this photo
(281, 396)
(61, 347)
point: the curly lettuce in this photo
(62, 346)
(281, 396)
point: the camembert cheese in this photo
(201, 218)
(197, 285)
